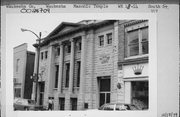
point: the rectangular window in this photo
(144, 41)
(17, 65)
(78, 72)
(61, 103)
(46, 54)
(67, 74)
(101, 40)
(41, 55)
(17, 92)
(137, 42)
(56, 76)
(68, 48)
(109, 38)
(79, 46)
(133, 43)
(58, 51)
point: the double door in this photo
(104, 89)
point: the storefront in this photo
(136, 85)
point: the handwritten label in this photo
(47, 8)
(155, 7)
(172, 114)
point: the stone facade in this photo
(94, 49)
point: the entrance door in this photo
(73, 103)
(104, 89)
(140, 94)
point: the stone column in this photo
(48, 82)
(56, 98)
(60, 68)
(71, 67)
(71, 74)
(82, 74)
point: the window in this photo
(67, 74)
(109, 38)
(56, 76)
(17, 92)
(101, 40)
(61, 103)
(78, 72)
(144, 41)
(133, 43)
(58, 51)
(137, 42)
(78, 46)
(68, 48)
(46, 54)
(41, 55)
(17, 65)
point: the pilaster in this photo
(82, 74)
(60, 68)
(71, 67)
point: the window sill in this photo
(66, 88)
(137, 56)
(79, 51)
(101, 46)
(109, 44)
(55, 89)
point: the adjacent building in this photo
(133, 62)
(86, 64)
(23, 71)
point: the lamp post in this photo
(38, 40)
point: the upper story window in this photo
(56, 76)
(78, 45)
(68, 48)
(137, 42)
(109, 38)
(42, 55)
(67, 70)
(57, 51)
(101, 40)
(17, 65)
(78, 73)
(46, 54)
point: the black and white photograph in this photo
(90, 63)
(87, 65)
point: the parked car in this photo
(118, 107)
(26, 104)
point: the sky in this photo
(43, 23)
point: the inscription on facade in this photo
(104, 58)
